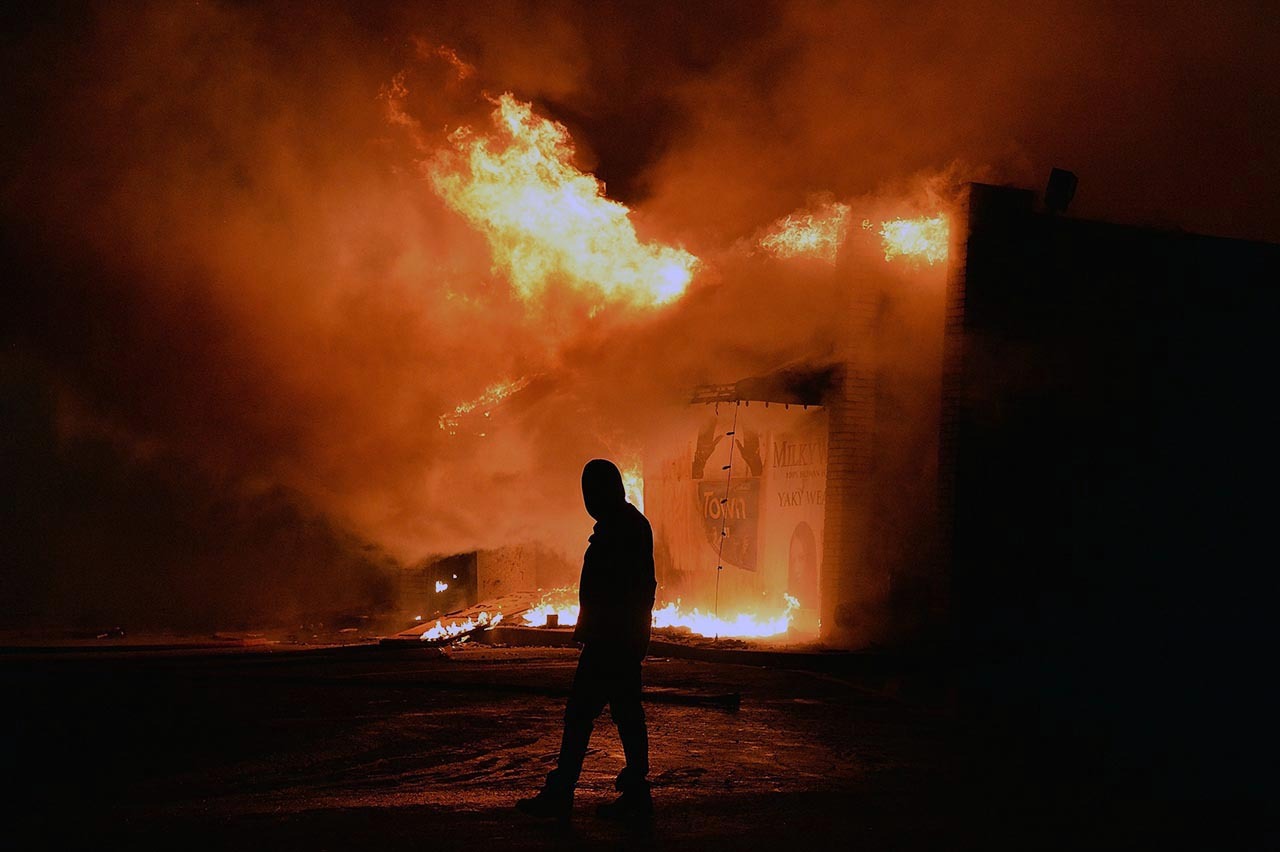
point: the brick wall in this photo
(852, 589)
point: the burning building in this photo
(1048, 463)
(815, 484)
(738, 510)
(1085, 365)
(925, 477)
(799, 503)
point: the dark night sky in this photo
(216, 368)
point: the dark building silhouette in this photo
(1097, 568)
(1108, 467)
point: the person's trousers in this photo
(605, 676)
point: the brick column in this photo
(851, 591)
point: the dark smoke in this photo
(233, 308)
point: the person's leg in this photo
(628, 715)
(635, 803)
(586, 699)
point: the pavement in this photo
(369, 747)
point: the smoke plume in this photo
(238, 306)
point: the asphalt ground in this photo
(405, 749)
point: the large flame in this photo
(564, 605)
(545, 219)
(818, 234)
(924, 239)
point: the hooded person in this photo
(616, 594)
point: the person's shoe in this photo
(548, 804)
(633, 806)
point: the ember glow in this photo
(818, 234)
(675, 616)
(924, 239)
(483, 404)
(544, 219)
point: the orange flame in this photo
(563, 603)
(818, 234)
(924, 239)
(492, 396)
(545, 219)
(456, 628)
(741, 625)
(633, 482)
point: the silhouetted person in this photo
(616, 596)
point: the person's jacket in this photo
(617, 586)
